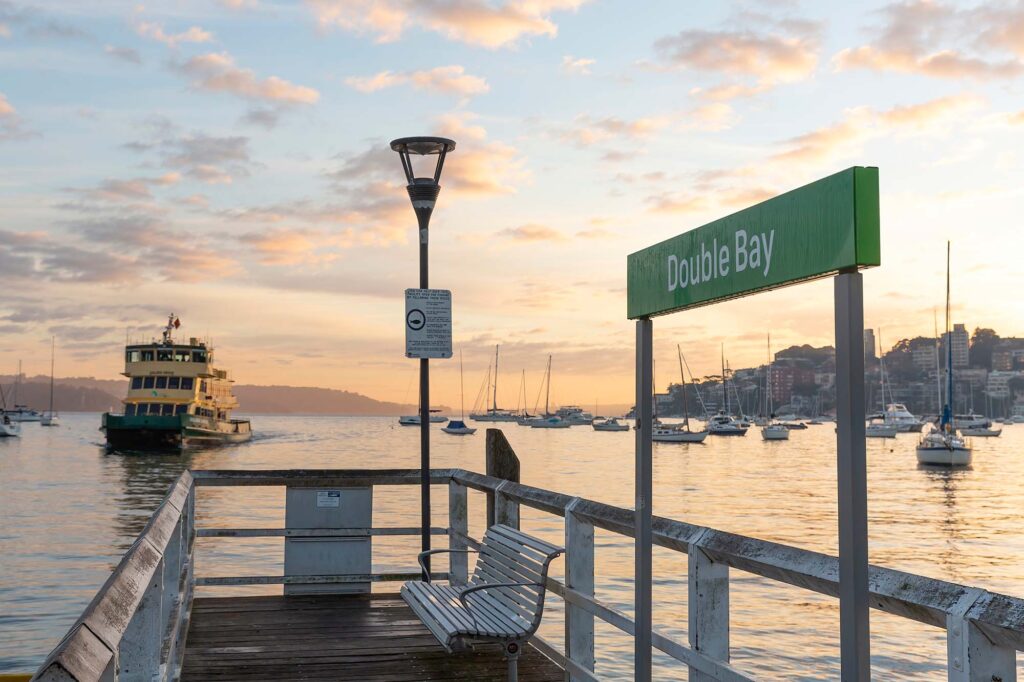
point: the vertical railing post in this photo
(579, 575)
(458, 529)
(506, 509)
(140, 647)
(500, 462)
(709, 608)
(643, 492)
(971, 656)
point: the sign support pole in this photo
(643, 492)
(852, 477)
(424, 225)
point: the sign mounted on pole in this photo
(828, 226)
(428, 323)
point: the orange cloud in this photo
(532, 232)
(939, 40)
(193, 34)
(478, 166)
(577, 66)
(216, 72)
(451, 80)
(475, 22)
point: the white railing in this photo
(135, 624)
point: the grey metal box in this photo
(328, 509)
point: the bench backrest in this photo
(508, 556)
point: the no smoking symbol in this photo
(415, 319)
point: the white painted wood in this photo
(709, 609)
(579, 575)
(971, 656)
(458, 528)
(140, 647)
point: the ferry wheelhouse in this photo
(176, 398)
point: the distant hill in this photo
(86, 394)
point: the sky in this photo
(229, 162)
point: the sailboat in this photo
(20, 413)
(723, 424)
(51, 418)
(414, 419)
(457, 427)
(492, 413)
(943, 445)
(881, 427)
(548, 421)
(9, 428)
(771, 430)
(678, 433)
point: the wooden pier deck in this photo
(372, 637)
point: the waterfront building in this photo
(923, 357)
(1008, 355)
(869, 346)
(961, 345)
(998, 384)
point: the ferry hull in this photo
(152, 433)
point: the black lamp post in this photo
(423, 193)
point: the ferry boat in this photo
(176, 398)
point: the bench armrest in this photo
(423, 555)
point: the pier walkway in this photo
(148, 622)
(372, 637)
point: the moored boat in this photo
(981, 432)
(51, 418)
(9, 428)
(414, 419)
(457, 427)
(879, 429)
(610, 424)
(175, 398)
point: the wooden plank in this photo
(317, 478)
(311, 532)
(373, 638)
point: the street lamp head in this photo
(423, 191)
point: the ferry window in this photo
(147, 382)
(173, 382)
(136, 382)
(202, 386)
(147, 356)
(132, 356)
(168, 409)
(161, 382)
(129, 410)
(182, 356)
(199, 356)
(186, 383)
(164, 355)
(180, 409)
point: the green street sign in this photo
(819, 229)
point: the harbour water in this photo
(68, 511)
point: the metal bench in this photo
(503, 602)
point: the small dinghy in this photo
(458, 428)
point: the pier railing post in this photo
(501, 462)
(139, 650)
(458, 529)
(709, 608)
(506, 509)
(579, 575)
(973, 657)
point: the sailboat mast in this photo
(462, 391)
(495, 403)
(947, 413)
(682, 378)
(725, 382)
(547, 396)
(881, 369)
(53, 343)
(768, 382)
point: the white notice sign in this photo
(428, 323)
(328, 498)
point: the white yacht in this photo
(9, 428)
(771, 430)
(981, 432)
(905, 422)
(553, 422)
(610, 424)
(575, 415)
(51, 418)
(880, 429)
(493, 413)
(971, 421)
(724, 425)
(675, 433)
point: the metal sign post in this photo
(829, 227)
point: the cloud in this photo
(476, 22)
(217, 72)
(125, 54)
(193, 34)
(297, 246)
(478, 166)
(861, 124)
(586, 130)
(776, 52)
(208, 158)
(128, 191)
(577, 66)
(532, 232)
(450, 80)
(11, 125)
(940, 40)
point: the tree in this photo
(983, 342)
